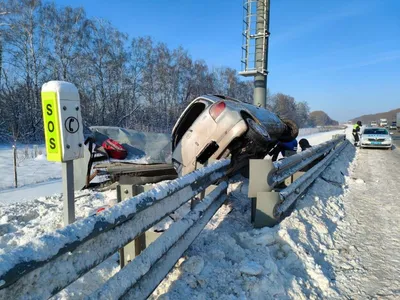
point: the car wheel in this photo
(292, 131)
(257, 132)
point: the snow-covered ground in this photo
(31, 170)
(340, 242)
(320, 137)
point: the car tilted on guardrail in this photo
(214, 126)
(375, 137)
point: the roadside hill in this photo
(320, 118)
(389, 115)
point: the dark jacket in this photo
(292, 145)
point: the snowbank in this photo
(287, 261)
(23, 222)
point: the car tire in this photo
(257, 132)
(292, 131)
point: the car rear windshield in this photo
(187, 120)
(375, 131)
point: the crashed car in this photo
(376, 137)
(215, 126)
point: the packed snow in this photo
(329, 247)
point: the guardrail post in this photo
(198, 198)
(263, 199)
(134, 248)
(206, 191)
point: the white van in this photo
(383, 123)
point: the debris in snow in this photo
(250, 268)
(194, 265)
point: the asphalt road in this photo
(396, 138)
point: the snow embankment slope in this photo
(230, 260)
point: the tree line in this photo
(135, 83)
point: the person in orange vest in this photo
(356, 130)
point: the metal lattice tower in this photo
(255, 45)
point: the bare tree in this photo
(135, 83)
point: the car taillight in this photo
(216, 109)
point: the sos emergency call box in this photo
(62, 119)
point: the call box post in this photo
(64, 135)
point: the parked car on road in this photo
(374, 124)
(376, 137)
(215, 126)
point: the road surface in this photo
(369, 239)
(396, 138)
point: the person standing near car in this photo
(356, 130)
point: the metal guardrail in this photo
(41, 268)
(290, 194)
(163, 253)
(292, 164)
(270, 199)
